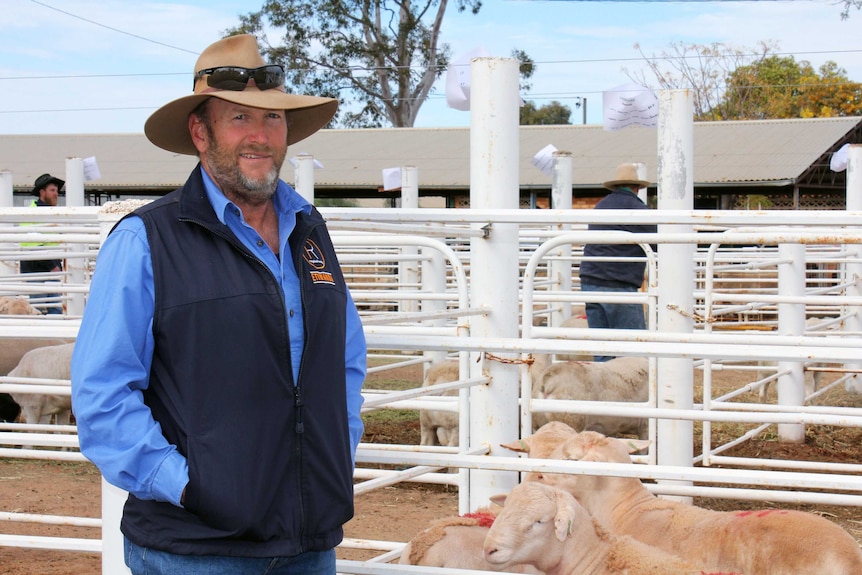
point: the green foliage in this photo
(379, 58)
(752, 83)
(549, 114)
(336, 203)
(781, 87)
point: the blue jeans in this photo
(145, 561)
(613, 315)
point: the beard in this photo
(233, 181)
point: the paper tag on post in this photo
(91, 169)
(838, 162)
(458, 79)
(629, 105)
(544, 160)
(391, 179)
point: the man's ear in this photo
(198, 132)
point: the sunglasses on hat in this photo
(235, 78)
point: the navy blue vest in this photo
(269, 461)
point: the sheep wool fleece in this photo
(270, 471)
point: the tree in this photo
(781, 87)
(379, 58)
(700, 68)
(743, 84)
(848, 4)
(549, 114)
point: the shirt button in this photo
(291, 313)
(260, 243)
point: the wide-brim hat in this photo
(626, 174)
(44, 180)
(168, 126)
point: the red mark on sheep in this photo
(483, 518)
(760, 513)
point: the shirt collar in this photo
(285, 199)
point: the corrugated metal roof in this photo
(724, 153)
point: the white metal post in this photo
(408, 268)
(494, 180)
(561, 269)
(676, 274)
(113, 498)
(642, 174)
(791, 321)
(6, 201)
(304, 176)
(853, 266)
(74, 265)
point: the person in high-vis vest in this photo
(47, 189)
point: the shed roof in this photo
(725, 153)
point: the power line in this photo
(87, 20)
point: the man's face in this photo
(241, 148)
(49, 194)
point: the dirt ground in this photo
(388, 514)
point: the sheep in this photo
(441, 427)
(578, 321)
(52, 362)
(17, 306)
(546, 527)
(455, 543)
(11, 352)
(619, 379)
(543, 441)
(768, 542)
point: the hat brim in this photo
(60, 183)
(168, 126)
(611, 184)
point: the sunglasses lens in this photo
(267, 77)
(236, 79)
(229, 78)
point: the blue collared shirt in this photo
(114, 350)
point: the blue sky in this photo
(103, 66)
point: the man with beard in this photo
(218, 368)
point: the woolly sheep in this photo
(619, 379)
(455, 543)
(11, 352)
(544, 440)
(578, 321)
(52, 362)
(441, 427)
(547, 528)
(768, 542)
(17, 306)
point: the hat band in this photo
(236, 78)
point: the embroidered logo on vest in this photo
(314, 258)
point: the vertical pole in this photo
(408, 268)
(642, 174)
(791, 321)
(304, 177)
(561, 269)
(113, 498)
(75, 182)
(74, 272)
(676, 297)
(494, 180)
(853, 267)
(7, 267)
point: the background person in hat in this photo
(47, 189)
(616, 276)
(218, 367)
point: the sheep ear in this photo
(565, 515)
(520, 446)
(635, 445)
(499, 499)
